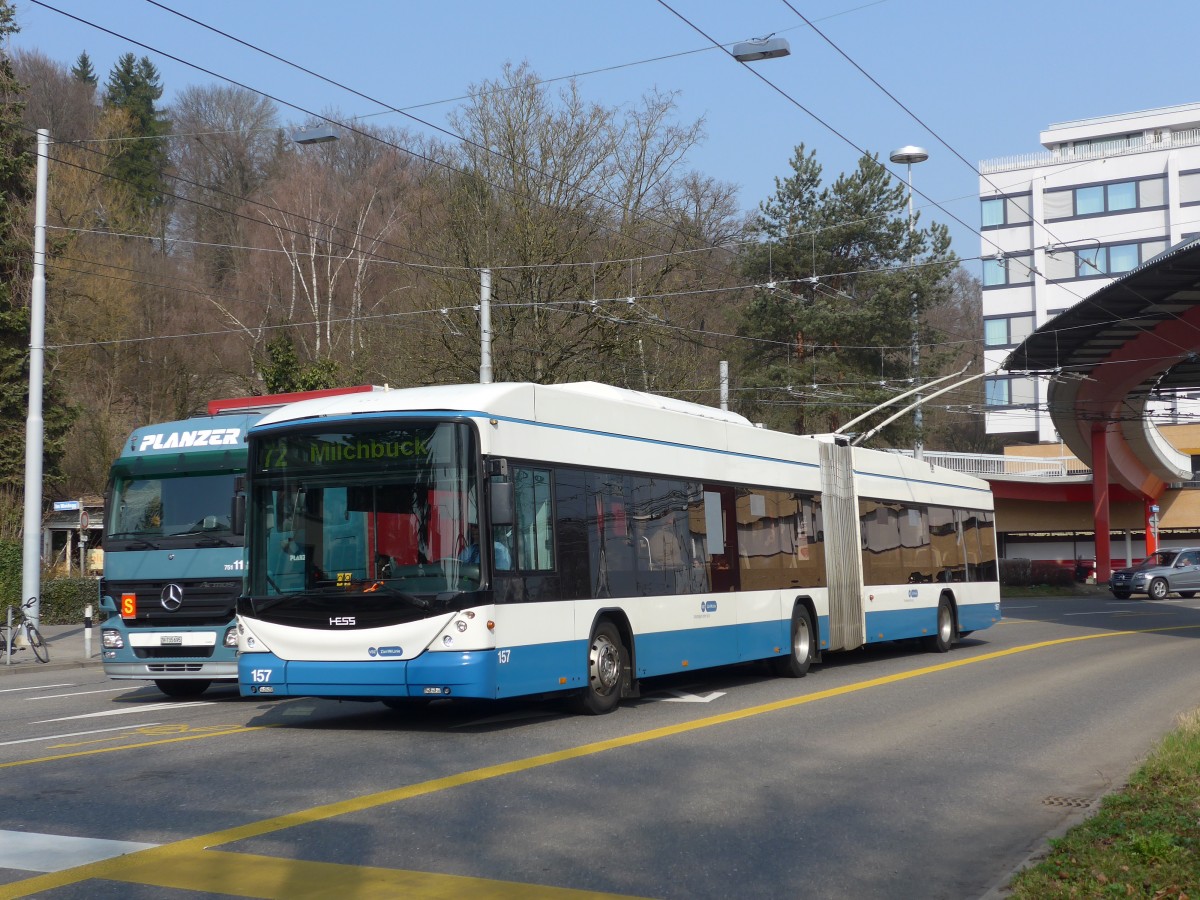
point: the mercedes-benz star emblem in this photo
(171, 597)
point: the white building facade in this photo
(1105, 196)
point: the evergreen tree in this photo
(282, 372)
(133, 87)
(832, 336)
(17, 162)
(83, 71)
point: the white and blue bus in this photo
(507, 540)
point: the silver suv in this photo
(1162, 573)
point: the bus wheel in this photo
(608, 661)
(942, 639)
(185, 687)
(796, 663)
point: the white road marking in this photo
(36, 687)
(685, 697)
(78, 694)
(56, 737)
(32, 852)
(121, 712)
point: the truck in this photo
(173, 564)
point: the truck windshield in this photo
(380, 517)
(148, 507)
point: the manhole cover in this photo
(1076, 802)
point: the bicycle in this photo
(23, 633)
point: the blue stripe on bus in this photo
(562, 666)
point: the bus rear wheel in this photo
(799, 659)
(607, 668)
(943, 638)
(182, 687)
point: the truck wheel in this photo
(182, 687)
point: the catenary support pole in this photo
(31, 559)
(485, 326)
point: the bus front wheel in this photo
(798, 660)
(608, 663)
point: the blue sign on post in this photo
(67, 505)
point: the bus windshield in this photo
(380, 517)
(147, 508)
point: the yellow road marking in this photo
(169, 856)
(247, 875)
(236, 729)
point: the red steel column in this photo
(1100, 516)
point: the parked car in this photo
(1161, 573)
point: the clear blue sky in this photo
(985, 78)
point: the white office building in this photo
(1104, 196)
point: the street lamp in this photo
(760, 48)
(910, 155)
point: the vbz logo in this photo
(708, 606)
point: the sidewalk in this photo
(67, 651)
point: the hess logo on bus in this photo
(340, 621)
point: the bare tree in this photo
(227, 145)
(581, 211)
(54, 98)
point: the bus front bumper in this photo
(432, 675)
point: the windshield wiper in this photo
(136, 541)
(419, 602)
(214, 542)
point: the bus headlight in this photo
(231, 636)
(111, 639)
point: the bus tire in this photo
(607, 665)
(182, 687)
(943, 638)
(800, 655)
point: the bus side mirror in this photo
(501, 502)
(237, 514)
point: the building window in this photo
(1013, 391)
(1006, 270)
(1102, 199)
(1099, 261)
(1006, 331)
(999, 212)
(993, 212)
(997, 392)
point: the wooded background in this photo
(196, 252)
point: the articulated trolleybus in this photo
(173, 566)
(503, 540)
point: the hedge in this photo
(63, 600)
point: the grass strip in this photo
(1144, 841)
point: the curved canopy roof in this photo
(1107, 354)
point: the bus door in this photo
(720, 525)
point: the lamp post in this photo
(909, 155)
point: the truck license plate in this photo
(169, 639)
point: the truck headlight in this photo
(231, 636)
(111, 639)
